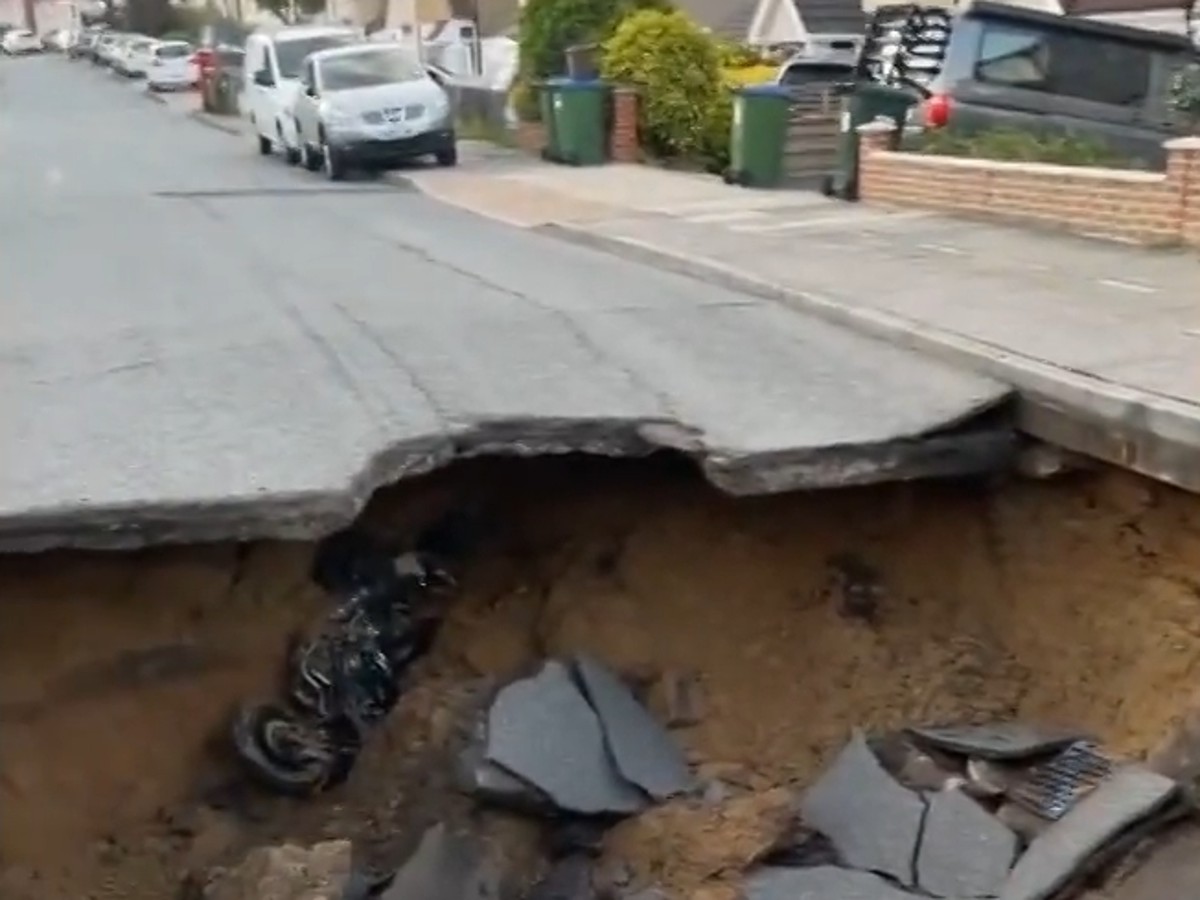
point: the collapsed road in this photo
(205, 344)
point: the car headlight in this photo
(338, 120)
(439, 109)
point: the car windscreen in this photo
(140, 46)
(816, 73)
(290, 54)
(371, 68)
(173, 51)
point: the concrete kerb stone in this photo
(1153, 434)
(217, 122)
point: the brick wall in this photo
(1140, 207)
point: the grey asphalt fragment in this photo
(819, 883)
(1130, 796)
(643, 751)
(445, 866)
(204, 344)
(543, 730)
(965, 851)
(872, 820)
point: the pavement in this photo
(202, 343)
(1100, 339)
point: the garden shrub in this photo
(732, 55)
(759, 73)
(1012, 145)
(674, 65)
(548, 27)
(717, 125)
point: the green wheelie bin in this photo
(758, 135)
(580, 122)
(547, 92)
(863, 102)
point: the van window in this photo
(290, 54)
(173, 51)
(1058, 62)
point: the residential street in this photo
(202, 342)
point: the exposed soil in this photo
(1073, 601)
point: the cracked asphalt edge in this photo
(309, 515)
(1149, 433)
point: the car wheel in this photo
(290, 154)
(447, 156)
(332, 163)
(308, 158)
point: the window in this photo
(369, 68)
(173, 51)
(1078, 65)
(290, 54)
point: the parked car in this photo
(170, 67)
(138, 57)
(133, 57)
(371, 106)
(273, 64)
(1006, 66)
(20, 42)
(107, 45)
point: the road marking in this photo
(1127, 286)
(848, 219)
(943, 248)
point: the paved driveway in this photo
(199, 342)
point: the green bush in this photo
(548, 27)
(1011, 145)
(717, 125)
(733, 55)
(676, 69)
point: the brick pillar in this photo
(1183, 184)
(623, 144)
(874, 137)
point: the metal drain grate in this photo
(1052, 788)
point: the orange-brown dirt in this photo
(1076, 601)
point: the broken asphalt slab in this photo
(642, 750)
(873, 821)
(1154, 433)
(543, 730)
(819, 883)
(445, 866)
(1130, 796)
(964, 851)
(233, 387)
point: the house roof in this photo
(1105, 7)
(832, 16)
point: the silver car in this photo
(370, 106)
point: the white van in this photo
(274, 63)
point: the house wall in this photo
(1169, 20)
(775, 22)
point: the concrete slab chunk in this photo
(543, 730)
(872, 820)
(819, 883)
(641, 748)
(965, 851)
(445, 866)
(1129, 796)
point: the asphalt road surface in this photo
(201, 343)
